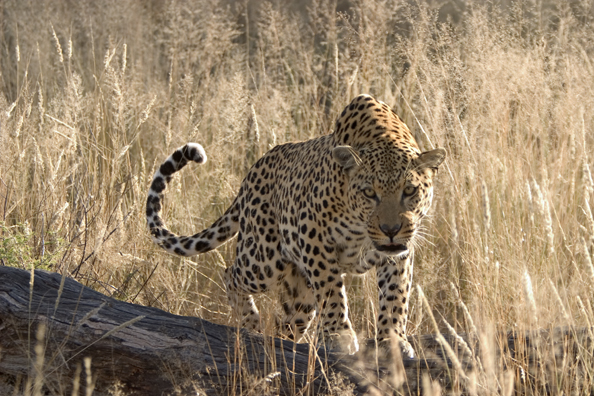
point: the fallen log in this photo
(49, 325)
(58, 335)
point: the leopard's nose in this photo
(390, 230)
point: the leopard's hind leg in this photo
(241, 300)
(298, 301)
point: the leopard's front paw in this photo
(344, 341)
(406, 349)
(390, 346)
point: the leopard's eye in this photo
(409, 190)
(369, 192)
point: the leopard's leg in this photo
(240, 299)
(334, 311)
(251, 273)
(259, 265)
(298, 301)
(394, 280)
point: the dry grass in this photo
(95, 94)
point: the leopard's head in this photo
(390, 188)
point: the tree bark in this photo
(54, 331)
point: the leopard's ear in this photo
(346, 157)
(430, 159)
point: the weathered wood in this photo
(151, 352)
(148, 351)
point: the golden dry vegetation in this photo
(95, 94)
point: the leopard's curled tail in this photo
(212, 237)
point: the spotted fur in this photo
(308, 213)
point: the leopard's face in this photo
(390, 190)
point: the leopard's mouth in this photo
(392, 249)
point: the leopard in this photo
(309, 213)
